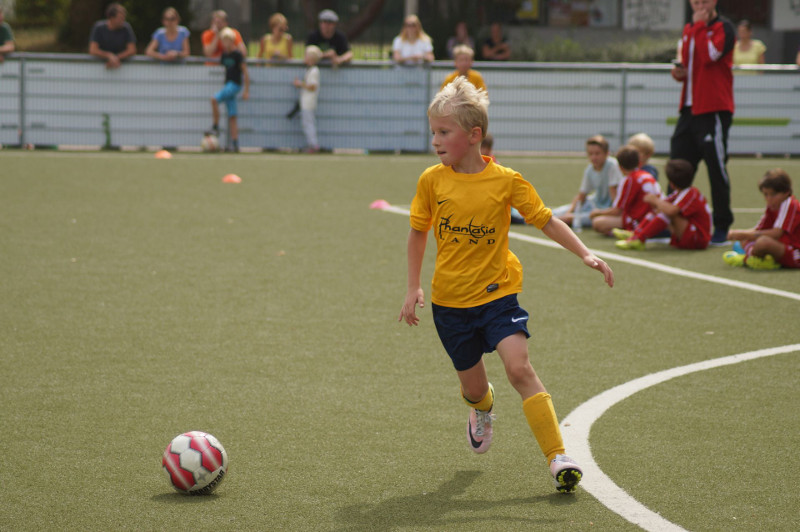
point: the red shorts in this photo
(791, 256)
(692, 238)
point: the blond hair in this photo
(421, 35)
(278, 19)
(463, 49)
(227, 33)
(466, 105)
(314, 52)
(643, 143)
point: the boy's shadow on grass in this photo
(441, 507)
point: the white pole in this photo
(412, 6)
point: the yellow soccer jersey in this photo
(470, 217)
(472, 76)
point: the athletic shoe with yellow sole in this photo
(621, 234)
(638, 245)
(732, 258)
(566, 473)
(767, 262)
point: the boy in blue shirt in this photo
(598, 189)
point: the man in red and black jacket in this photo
(706, 108)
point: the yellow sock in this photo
(544, 424)
(484, 404)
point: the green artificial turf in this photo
(143, 298)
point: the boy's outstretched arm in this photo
(559, 232)
(417, 241)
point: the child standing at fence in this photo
(235, 71)
(462, 57)
(309, 92)
(775, 240)
(477, 278)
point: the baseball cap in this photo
(328, 15)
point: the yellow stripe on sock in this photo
(484, 404)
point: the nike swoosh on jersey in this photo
(440, 202)
(521, 318)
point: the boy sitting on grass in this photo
(685, 212)
(646, 147)
(775, 241)
(629, 207)
(601, 177)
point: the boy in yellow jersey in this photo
(462, 57)
(466, 200)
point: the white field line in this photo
(643, 263)
(577, 425)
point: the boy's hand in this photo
(246, 94)
(409, 310)
(600, 265)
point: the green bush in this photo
(40, 13)
(642, 50)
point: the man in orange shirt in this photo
(212, 44)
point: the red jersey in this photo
(707, 55)
(787, 217)
(694, 208)
(630, 197)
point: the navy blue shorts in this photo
(468, 333)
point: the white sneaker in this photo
(566, 473)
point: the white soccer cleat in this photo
(566, 473)
(479, 430)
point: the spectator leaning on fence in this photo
(112, 39)
(6, 37)
(496, 47)
(461, 37)
(170, 43)
(412, 47)
(276, 45)
(332, 42)
(748, 51)
(212, 44)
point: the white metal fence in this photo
(59, 99)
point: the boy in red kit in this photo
(629, 207)
(775, 241)
(685, 212)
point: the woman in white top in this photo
(413, 46)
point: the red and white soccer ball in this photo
(210, 143)
(195, 463)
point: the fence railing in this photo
(73, 100)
